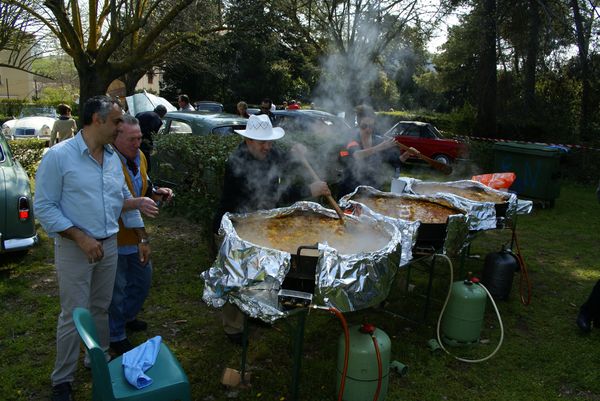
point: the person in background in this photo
(63, 128)
(258, 176)
(134, 275)
(150, 123)
(79, 196)
(284, 105)
(184, 103)
(589, 313)
(242, 109)
(364, 157)
(265, 108)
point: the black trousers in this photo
(592, 305)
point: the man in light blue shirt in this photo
(80, 194)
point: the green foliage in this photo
(581, 165)
(193, 166)
(481, 154)
(384, 92)
(11, 107)
(462, 119)
(56, 95)
(29, 153)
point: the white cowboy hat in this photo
(259, 128)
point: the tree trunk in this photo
(531, 60)
(582, 45)
(485, 124)
(131, 79)
(92, 83)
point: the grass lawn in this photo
(543, 357)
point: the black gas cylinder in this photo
(498, 271)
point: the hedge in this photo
(28, 152)
(194, 166)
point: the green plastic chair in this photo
(169, 381)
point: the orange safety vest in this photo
(345, 152)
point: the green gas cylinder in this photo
(363, 373)
(463, 316)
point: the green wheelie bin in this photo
(537, 168)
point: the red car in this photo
(428, 140)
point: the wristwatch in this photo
(145, 241)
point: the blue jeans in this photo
(132, 284)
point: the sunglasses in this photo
(366, 126)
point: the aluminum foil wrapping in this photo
(524, 206)
(481, 215)
(250, 276)
(457, 228)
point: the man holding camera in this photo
(132, 282)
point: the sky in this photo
(440, 35)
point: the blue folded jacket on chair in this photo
(139, 360)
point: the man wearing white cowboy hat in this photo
(258, 176)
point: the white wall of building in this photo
(15, 84)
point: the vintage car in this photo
(208, 106)
(313, 122)
(144, 101)
(201, 123)
(34, 122)
(428, 140)
(17, 225)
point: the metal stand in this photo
(297, 331)
(422, 256)
(244, 349)
(466, 252)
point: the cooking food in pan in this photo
(287, 233)
(409, 209)
(475, 193)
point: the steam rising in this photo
(348, 74)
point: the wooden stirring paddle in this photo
(443, 167)
(316, 177)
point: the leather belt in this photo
(103, 239)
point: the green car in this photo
(201, 123)
(17, 225)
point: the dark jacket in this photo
(150, 122)
(252, 184)
(374, 170)
(270, 114)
